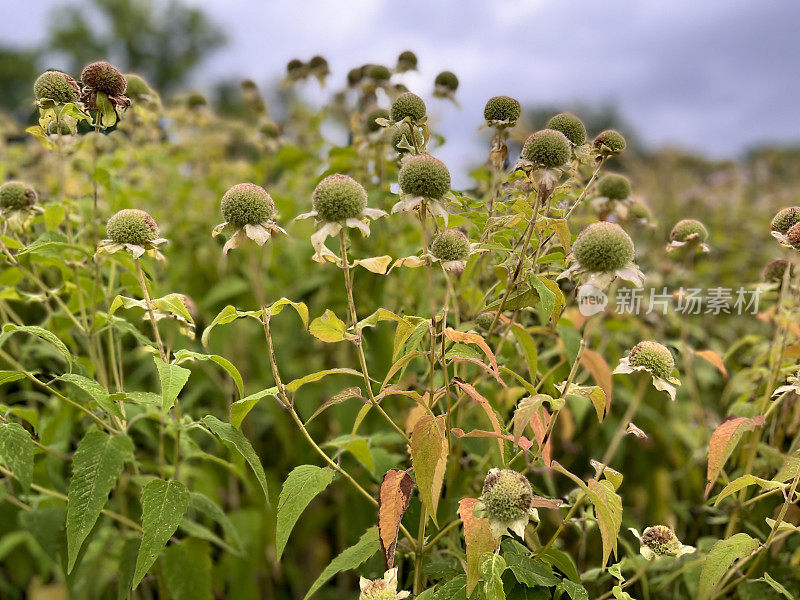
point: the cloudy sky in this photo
(713, 75)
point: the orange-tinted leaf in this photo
(523, 442)
(539, 422)
(429, 449)
(473, 338)
(724, 440)
(598, 367)
(714, 358)
(478, 537)
(487, 408)
(393, 499)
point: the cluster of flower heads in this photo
(317, 66)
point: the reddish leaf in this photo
(714, 358)
(598, 367)
(523, 443)
(539, 422)
(724, 440)
(393, 499)
(487, 408)
(478, 537)
(474, 338)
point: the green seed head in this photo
(397, 135)
(687, 227)
(654, 357)
(484, 320)
(450, 245)
(785, 219)
(793, 236)
(378, 73)
(270, 129)
(407, 61)
(378, 590)
(102, 77)
(507, 495)
(339, 197)
(570, 125)
(447, 79)
(132, 226)
(638, 210)
(502, 108)
(137, 86)
(614, 187)
(547, 148)
(56, 86)
(408, 105)
(603, 247)
(16, 195)
(295, 68)
(354, 76)
(376, 113)
(318, 63)
(661, 540)
(775, 269)
(196, 100)
(247, 204)
(610, 143)
(423, 175)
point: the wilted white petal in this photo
(437, 210)
(375, 213)
(363, 582)
(135, 249)
(601, 280)
(663, 385)
(307, 215)
(518, 526)
(624, 366)
(273, 227)
(236, 240)
(569, 272)
(633, 429)
(358, 224)
(219, 229)
(407, 204)
(257, 233)
(631, 273)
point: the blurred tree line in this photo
(163, 41)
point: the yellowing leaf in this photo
(473, 338)
(598, 367)
(478, 538)
(429, 449)
(376, 264)
(329, 328)
(393, 499)
(723, 441)
(487, 408)
(714, 358)
(526, 408)
(719, 560)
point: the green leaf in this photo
(719, 560)
(300, 487)
(205, 505)
(187, 569)
(574, 590)
(526, 569)
(547, 298)
(163, 505)
(525, 410)
(300, 308)
(346, 394)
(492, 567)
(228, 315)
(454, 589)
(528, 348)
(767, 578)
(329, 328)
(184, 355)
(16, 451)
(127, 564)
(241, 408)
(563, 562)
(745, 481)
(10, 376)
(107, 114)
(173, 378)
(95, 390)
(350, 558)
(235, 438)
(10, 328)
(96, 466)
(296, 384)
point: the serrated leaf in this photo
(235, 438)
(16, 451)
(723, 441)
(163, 505)
(350, 558)
(574, 590)
(720, 558)
(205, 505)
(184, 355)
(329, 328)
(491, 567)
(241, 408)
(300, 488)
(429, 450)
(296, 384)
(9, 329)
(454, 589)
(173, 378)
(478, 539)
(96, 466)
(393, 499)
(526, 569)
(187, 569)
(547, 298)
(608, 510)
(745, 481)
(95, 390)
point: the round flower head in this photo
(570, 125)
(484, 320)
(793, 236)
(378, 73)
(507, 501)
(400, 132)
(425, 176)
(603, 247)
(447, 80)
(774, 270)
(501, 110)
(547, 148)
(102, 77)
(270, 129)
(295, 68)
(16, 195)
(381, 589)
(659, 540)
(354, 76)
(614, 187)
(132, 226)
(688, 230)
(653, 357)
(408, 105)
(407, 61)
(196, 100)
(785, 219)
(56, 86)
(376, 113)
(638, 210)
(610, 143)
(450, 245)
(318, 63)
(137, 86)
(338, 198)
(247, 203)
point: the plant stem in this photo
(146, 294)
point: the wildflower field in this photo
(241, 360)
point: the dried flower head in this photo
(547, 148)
(502, 111)
(660, 540)
(793, 236)
(425, 176)
(447, 80)
(17, 195)
(785, 219)
(609, 143)
(376, 113)
(57, 87)
(103, 77)
(655, 359)
(408, 105)
(133, 230)
(774, 270)
(381, 589)
(688, 230)
(614, 187)
(507, 502)
(570, 125)
(338, 198)
(407, 61)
